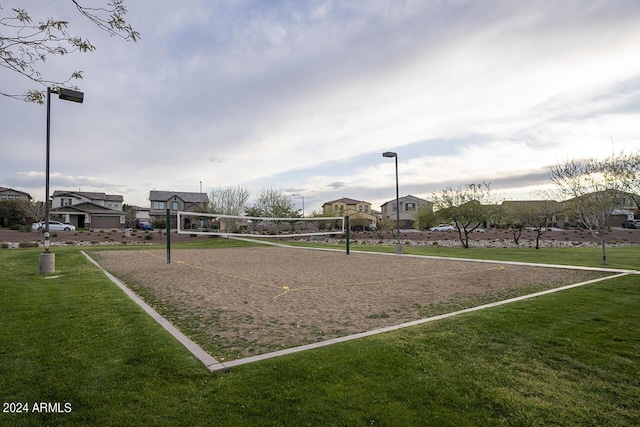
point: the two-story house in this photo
(358, 211)
(409, 206)
(9, 194)
(88, 209)
(175, 201)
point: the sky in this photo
(305, 96)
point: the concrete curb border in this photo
(211, 363)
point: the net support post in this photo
(346, 231)
(168, 236)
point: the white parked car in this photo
(53, 226)
(442, 227)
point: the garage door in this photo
(105, 221)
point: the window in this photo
(66, 202)
(175, 205)
(336, 207)
(10, 196)
(395, 207)
(359, 208)
(366, 208)
(410, 206)
(158, 205)
(3, 197)
(17, 197)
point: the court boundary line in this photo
(213, 365)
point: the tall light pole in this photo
(390, 154)
(48, 259)
(299, 195)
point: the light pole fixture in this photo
(48, 259)
(390, 154)
(300, 195)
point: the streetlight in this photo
(299, 195)
(48, 259)
(390, 154)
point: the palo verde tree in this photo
(425, 217)
(592, 189)
(468, 206)
(26, 43)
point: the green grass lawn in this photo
(621, 257)
(569, 358)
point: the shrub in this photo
(28, 245)
(4, 246)
(148, 237)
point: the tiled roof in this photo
(90, 195)
(87, 207)
(184, 196)
(346, 201)
(3, 189)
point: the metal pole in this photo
(398, 245)
(46, 186)
(168, 236)
(347, 229)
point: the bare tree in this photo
(631, 175)
(469, 206)
(543, 216)
(25, 45)
(516, 216)
(273, 203)
(228, 201)
(593, 189)
(130, 214)
(536, 214)
(32, 210)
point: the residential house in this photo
(624, 208)
(9, 213)
(519, 211)
(83, 209)
(175, 201)
(9, 194)
(358, 211)
(70, 198)
(409, 206)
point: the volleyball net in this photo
(249, 226)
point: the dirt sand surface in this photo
(246, 301)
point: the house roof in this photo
(184, 196)
(407, 197)
(346, 201)
(7, 190)
(87, 207)
(90, 195)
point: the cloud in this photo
(306, 95)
